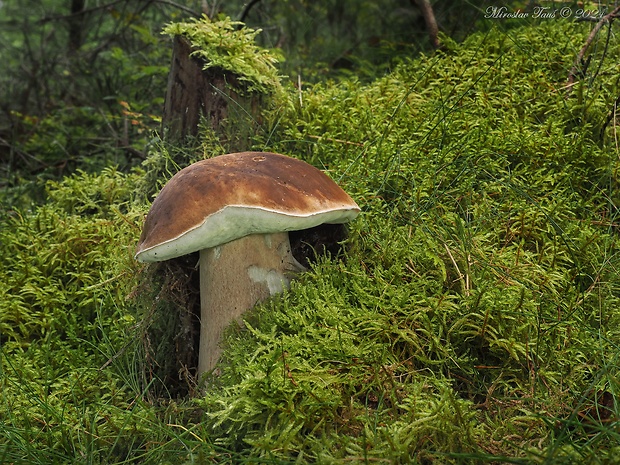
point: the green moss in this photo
(475, 318)
(480, 262)
(227, 45)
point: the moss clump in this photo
(225, 44)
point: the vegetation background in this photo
(475, 318)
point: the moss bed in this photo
(474, 319)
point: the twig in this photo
(611, 116)
(572, 75)
(134, 152)
(186, 430)
(107, 6)
(462, 277)
(429, 19)
(340, 141)
(246, 10)
(83, 12)
(187, 10)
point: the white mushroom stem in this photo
(233, 278)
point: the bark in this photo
(76, 23)
(213, 94)
(429, 19)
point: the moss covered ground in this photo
(474, 319)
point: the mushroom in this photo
(236, 210)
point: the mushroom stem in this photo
(233, 278)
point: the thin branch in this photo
(604, 54)
(246, 10)
(106, 6)
(429, 19)
(611, 116)
(462, 277)
(577, 64)
(340, 141)
(191, 12)
(86, 11)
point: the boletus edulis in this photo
(237, 210)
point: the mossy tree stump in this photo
(213, 94)
(218, 75)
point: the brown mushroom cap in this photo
(224, 198)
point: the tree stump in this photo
(218, 96)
